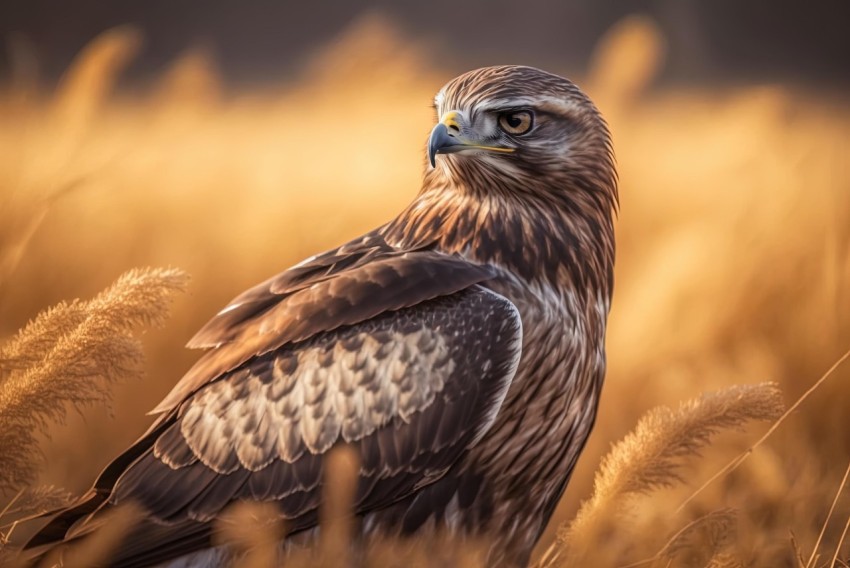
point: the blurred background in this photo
(263, 42)
(227, 139)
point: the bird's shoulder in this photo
(343, 286)
(225, 325)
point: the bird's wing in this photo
(403, 356)
(342, 287)
(246, 307)
(409, 389)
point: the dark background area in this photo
(263, 41)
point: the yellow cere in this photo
(450, 120)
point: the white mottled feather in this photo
(310, 408)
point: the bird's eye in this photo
(516, 122)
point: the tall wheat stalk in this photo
(71, 353)
(651, 457)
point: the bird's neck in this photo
(560, 242)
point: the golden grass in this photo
(733, 254)
(68, 355)
(651, 458)
(253, 531)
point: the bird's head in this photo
(517, 130)
(521, 175)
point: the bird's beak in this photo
(447, 138)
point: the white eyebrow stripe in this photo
(438, 100)
(558, 103)
(495, 104)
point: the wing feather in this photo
(400, 354)
(408, 403)
(389, 283)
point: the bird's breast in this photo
(550, 406)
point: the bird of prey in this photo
(459, 349)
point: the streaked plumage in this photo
(459, 348)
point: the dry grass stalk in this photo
(22, 216)
(70, 354)
(838, 546)
(798, 552)
(342, 466)
(626, 61)
(813, 558)
(27, 501)
(254, 531)
(712, 531)
(735, 463)
(650, 458)
(96, 550)
(34, 500)
(89, 80)
(724, 560)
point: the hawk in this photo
(459, 349)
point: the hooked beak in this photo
(446, 139)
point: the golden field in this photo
(733, 248)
